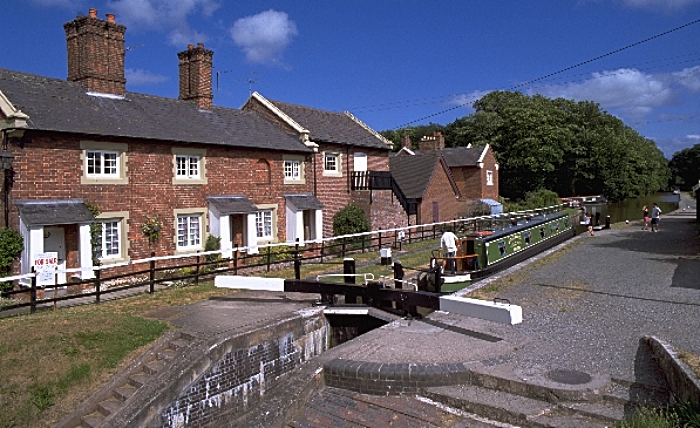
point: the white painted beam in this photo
(492, 311)
(249, 283)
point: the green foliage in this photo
(414, 132)
(213, 243)
(537, 199)
(572, 148)
(685, 167)
(11, 247)
(349, 220)
(683, 415)
(95, 234)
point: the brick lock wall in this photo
(238, 380)
(50, 167)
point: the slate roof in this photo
(462, 156)
(62, 106)
(52, 212)
(304, 201)
(413, 173)
(234, 204)
(332, 127)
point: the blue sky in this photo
(393, 63)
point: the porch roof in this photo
(53, 212)
(304, 201)
(233, 204)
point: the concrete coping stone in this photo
(682, 381)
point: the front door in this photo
(55, 240)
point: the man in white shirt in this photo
(449, 243)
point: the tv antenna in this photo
(131, 48)
(251, 81)
(217, 77)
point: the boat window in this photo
(528, 237)
(542, 232)
(502, 247)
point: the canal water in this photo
(631, 209)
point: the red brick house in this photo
(346, 152)
(86, 142)
(473, 169)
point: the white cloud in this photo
(690, 78)
(165, 15)
(669, 5)
(466, 100)
(263, 37)
(634, 93)
(671, 145)
(143, 77)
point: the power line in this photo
(561, 71)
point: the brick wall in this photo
(441, 192)
(49, 167)
(195, 66)
(238, 380)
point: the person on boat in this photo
(645, 215)
(448, 241)
(655, 217)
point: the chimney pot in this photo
(93, 12)
(110, 17)
(190, 47)
(200, 45)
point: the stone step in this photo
(638, 394)
(139, 379)
(179, 343)
(124, 392)
(153, 367)
(110, 406)
(92, 420)
(520, 410)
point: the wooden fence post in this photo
(269, 257)
(97, 285)
(196, 271)
(380, 239)
(235, 260)
(297, 261)
(152, 275)
(32, 292)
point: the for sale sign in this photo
(45, 267)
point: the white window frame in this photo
(102, 161)
(337, 171)
(264, 238)
(99, 151)
(293, 167)
(189, 243)
(190, 156)
(263, 221)
(489, 178)
(120, 218)
(187, 167)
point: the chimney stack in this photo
(195, 75)
(436, 142)
(406, 142)
(96, 53)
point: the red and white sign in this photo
(45, 267)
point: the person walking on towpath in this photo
(655, 217)
(645, 216)
(449, 243)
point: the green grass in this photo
(679, 416)
(51, 362)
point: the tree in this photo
(572, 148)
(11, 246)
(685, 167)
